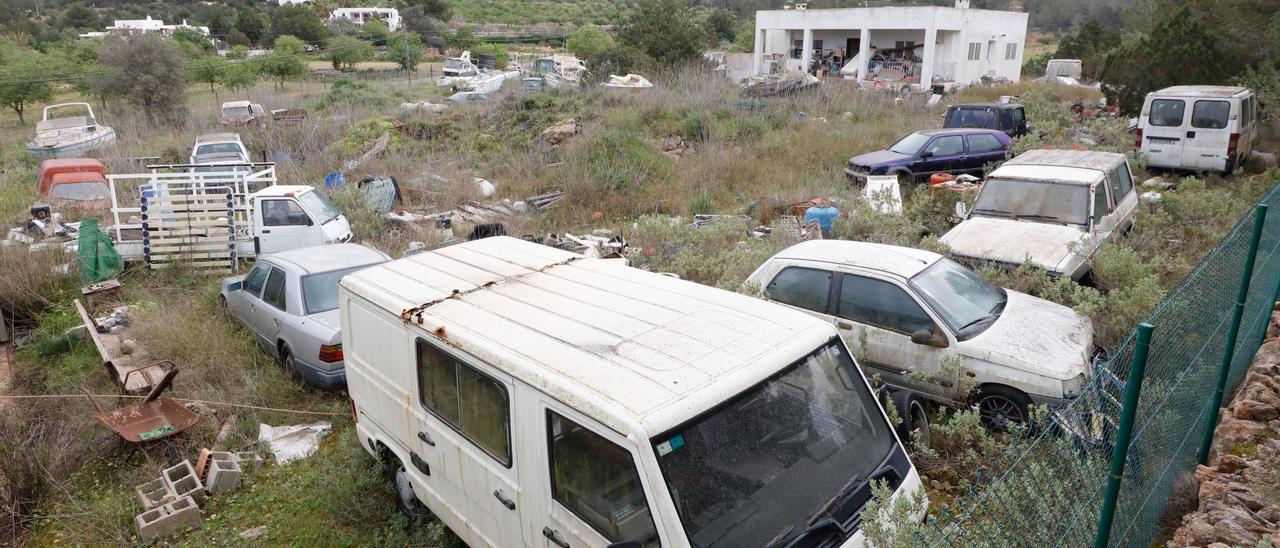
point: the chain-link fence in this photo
(1049, 486)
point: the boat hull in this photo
(73, 148)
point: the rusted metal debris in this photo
(155, 418)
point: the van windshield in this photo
(219, 148)
(236, 111)
(762, 467)
(320, 206)
(971, 117)
(1034, 200)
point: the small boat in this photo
(560, 71)
(69, 136)
(488, 82)
(457, 70)
(630, 81)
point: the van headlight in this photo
(1072, 387)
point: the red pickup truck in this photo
(74, 182)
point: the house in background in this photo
(360, 16)
(142, 26)
(898, 46)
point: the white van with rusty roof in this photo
(529, 396)
(1198, 128)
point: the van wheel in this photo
(1000, 406)
(406, 501)
(914, 416)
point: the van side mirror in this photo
(928, 338)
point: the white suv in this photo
(921, 311)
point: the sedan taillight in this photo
(330, 353)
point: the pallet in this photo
(196, 230)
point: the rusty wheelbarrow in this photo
(153, 419)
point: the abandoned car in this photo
(1050, 208)
(1010, 118)
(924, 153)
(922, 321)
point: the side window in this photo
(1167, 112)
(273, 292)
(597, 481)
(882, 304)
(283, 213)
(1019, 117)
(1210, 114)
(803, 287)
(1099, 202)
(475, 405)
(984, 142)
(949, 145)
(1122, 181)
(253, 282)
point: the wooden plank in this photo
(92, 327)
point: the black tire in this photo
(1001, 406)
(222, 304)
(913, 416)
(287, 364)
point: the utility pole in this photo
(408, 65)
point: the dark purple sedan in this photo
(923, 153)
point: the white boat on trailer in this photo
(69, 136)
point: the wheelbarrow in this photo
(155, 418)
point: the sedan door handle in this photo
(510, 504)
(554, 536)
(426, 439)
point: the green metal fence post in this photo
(1228, 355)
(1266, 315)
(1120, 452)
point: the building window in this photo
(1011, 51)
(975, 51)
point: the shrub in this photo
(33, 281)
(720, 254)
(619, 160)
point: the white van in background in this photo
(1198, 128)
(529, 396)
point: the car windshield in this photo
(757, 469)
(219, 148)
(910, 144)
(236, 111)
(80, 192)
(966, 302)
(320, 206)
(320, 290)
(1039, 200)
(456, 64)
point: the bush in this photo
(33, 281)
(719, 254)
(618, 160)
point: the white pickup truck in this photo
(239, 210)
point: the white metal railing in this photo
(242, 179)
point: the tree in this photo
(1090, 45)
(237, 38)
(462, 39)
(346, 51)
(239, 76)
(428, 28)
(80, 16)
(300, 21)
(238, 52)
(436, 9)
(252, 25)
(619, 59)
(284, 61)
(192, 42)
(20, 71)
(744, 39)
(1179, 50)
(146, 70)
(588, 42)
(221, 23)
(208, 69)
(721, 25)
(341, 27)
(664, 30)
(406, 50)
(374, 31)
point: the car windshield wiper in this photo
(993, 314)
(1042, 218)
(996, 211)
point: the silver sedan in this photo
(290, 303)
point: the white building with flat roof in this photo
(360, 16)
(908, 45)
(151, 25)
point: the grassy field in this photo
(563, 12)
(74, 479)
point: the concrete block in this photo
(182, 479)
(224, 474)
(155, 493)
(167, 519)
(248, 459)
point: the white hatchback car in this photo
(920, 311)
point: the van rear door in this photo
(1209, 134)
(1163, 133)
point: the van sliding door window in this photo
(597, 480)
(1210, 114)
(1167, 112)
(469, 401)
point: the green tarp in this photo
(98, 258)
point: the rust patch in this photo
(440, 332)
(415, 314)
